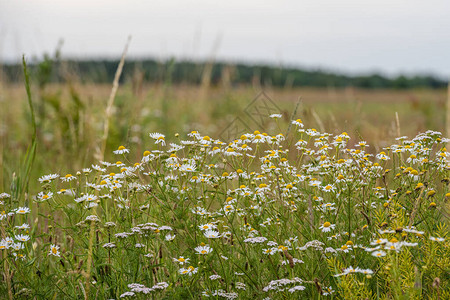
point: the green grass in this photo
(159, 193)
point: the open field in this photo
(70, 116)
(272, 210)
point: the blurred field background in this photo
(70, 101)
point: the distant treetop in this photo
(219, 73)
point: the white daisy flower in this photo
(44, 196)
(48, 178)
(22, 237)
(181, 260)
(270, 251)
(158, 137)
(22, 210)
(121, 150)
(203, 249)
(327, 226)
(378, 253)
(211, 234)
(54, 250)
(67, 178)
(169, 237)
(298, 123)
(188, 271)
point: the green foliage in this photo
(255, 217)
(102, 71)
(301, 215)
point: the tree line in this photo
(53, 69)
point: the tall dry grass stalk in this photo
(397, 123)
(101, 155)
(318, 120)
(112, 96)
(207, 71)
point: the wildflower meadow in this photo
(302, 214)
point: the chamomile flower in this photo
(22, 210)
(270, 251)
(203, 250)
(211, 234)
(169, 237)
(67, 178)
(327, 226)
(158, 137)
(121, 150)
(17, 246)
(64, 192)
(188, 167)
(23, 226)
(207, 226)
(382, 156)
(231, 152)
(4, 244)
(181, 260)
(42, 196)
(48, 178)
(188, 271)
(54, 250)
(22, 237)
(329, 188)
(275, 116)
(98, 168)
(298, 123)
(378, 253)
(436, 239)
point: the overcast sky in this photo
(391, 36)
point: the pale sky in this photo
(353, 36)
